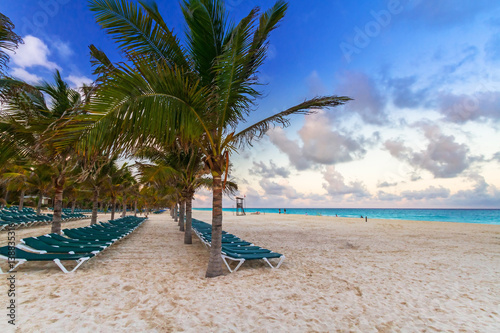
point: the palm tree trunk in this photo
(95, 202)
(113, 208)
(135, 208)
(176, 218)
(181, 215)
(124, 204)
(39, 205)
(58, 198)
(215, 261)
(73, 206)
(189, 210)
(21, 200)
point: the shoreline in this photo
(229, 210)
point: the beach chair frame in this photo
(242, 260)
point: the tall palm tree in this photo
(9, 40)
(40, 180)
(113, 187)
(31, 118)
(201, 91)
(181, 167)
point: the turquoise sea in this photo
(483, 216)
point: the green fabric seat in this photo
(40, 246)
(12, 253)
(78, 242)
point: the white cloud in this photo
(321, 144)
(336, 185)
(24, 75)
(443, 157)
(270, 171)
(430, 193)
(78, 81)
(368, 101)
(63, 48)
(34, 52)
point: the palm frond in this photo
(134, 105)
(100, 61)
(137, 30)
(235, 91)
(258, 129)
(207, 26)
(9, 40)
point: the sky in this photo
(422, 131)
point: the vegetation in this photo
(179, 107)
(199, 92)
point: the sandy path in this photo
(339, 275)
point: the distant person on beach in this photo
(336, 215)
(284, 211)
(279, 211)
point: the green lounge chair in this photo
(242, 257)
(13, 254)
(32, 244)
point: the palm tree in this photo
(40, 180)
(181, 167)
(16, 180)
(200, 91)
(9, 40)
(128, 182)
(96, 174)
(29, 123)
(114, 185)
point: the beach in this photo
(340, 274)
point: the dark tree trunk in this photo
(176, 218)
(189, 210)
(113, 208)
(215, 261)
(124, 203)
(182, 208)
(73, 206)
(95, 205)
(135, 208)
(21, 200)
(39, 205)
(58, 197)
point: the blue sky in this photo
(423, 130)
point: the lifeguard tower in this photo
(240, 211)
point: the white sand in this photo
(340, 275)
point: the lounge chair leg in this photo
(239, 265)
(79, 263)
(241, 261)
(279, 263)
(227, 265)
(282, 258)
(19, 263)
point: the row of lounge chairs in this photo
(234, 248)
(79, 244)
(27, 217)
